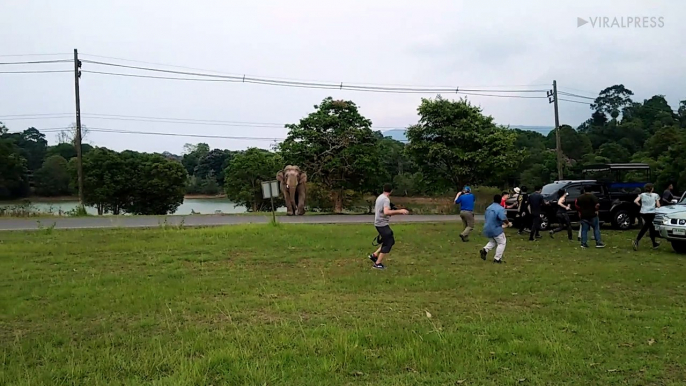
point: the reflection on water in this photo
(189, 206)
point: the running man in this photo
(667, 196)
(465, 199)
(382, 219)
(523, 209)
(495, 221)
(648, 201)
(562, 216)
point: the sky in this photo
(499, 44)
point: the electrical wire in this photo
(575, 95)
(20, 55)
(569, 100)
(35, 72)
(37, 62)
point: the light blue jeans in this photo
(585, 225)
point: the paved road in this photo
(209, 220)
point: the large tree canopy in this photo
(454, 144)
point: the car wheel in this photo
(679, 246)
(622, 220)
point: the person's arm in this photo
(458, 198)
(637, 200)
(657, 201)
(390, 212)
(502, 216)
(562, 202)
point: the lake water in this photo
(197, 205)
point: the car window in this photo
(595, 189)
(573, 192)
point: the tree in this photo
(13, 171)
(213, 163)
(244, 176)
(612, 100)
(614, 152)
(31, 144)
(454, 144)
(68, 135)
(336, 147)
(53, 178)
(67, 150)
(574, 144)
(108, 180)
(159, 184)
(192, 156)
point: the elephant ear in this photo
(303, 178)
(279, 176)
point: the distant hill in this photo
(399, 134)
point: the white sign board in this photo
(270, 189)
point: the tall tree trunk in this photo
(338, 201)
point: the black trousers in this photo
(387, 239)
(648, 226)
(524, 221)
(563, 218)
(535, 225)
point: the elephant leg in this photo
(301, 199)
(289, 202)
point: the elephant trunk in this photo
(292, 192)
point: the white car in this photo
(670, 223)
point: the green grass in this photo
(300, 305)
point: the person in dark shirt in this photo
(588, 205)
(667, 196)
(535, 208)
(523, 210)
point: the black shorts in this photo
(387, 239)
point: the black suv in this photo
(616, 205)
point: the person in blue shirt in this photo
(496, 220)
(465, 199)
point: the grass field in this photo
(300, 305)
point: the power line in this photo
(575, 95)
(340, 86)
(569, 100)
(287, 79)
(20, 55)
(34, 72)
(36, 62)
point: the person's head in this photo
(506, 195)
(648, 188)
(524, 189)
(497, 198)
(670, 186)
(517, 190)
(387, 189)
(467, 189)
(561, 193)
(539, 188)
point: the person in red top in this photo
(503, 201)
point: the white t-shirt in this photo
(649, 202)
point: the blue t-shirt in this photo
(466, 202)
(495, 215)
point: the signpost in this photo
(270, 189)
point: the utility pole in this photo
(552, 98)
(77, 137)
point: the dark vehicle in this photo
(616, 198)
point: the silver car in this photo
(670, 223)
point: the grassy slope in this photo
(300, 305)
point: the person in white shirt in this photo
(648, 201)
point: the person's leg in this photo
(560, 228)
(596, 232)
(490, 245)
(584, 233)
(501, 240)
(535, 224)
(653, 233)
(375, 255)
(463, 216)
(523, 219)
(568, 225)
(470, 223)
(644, 228)
(388, 242)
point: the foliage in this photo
(337, 148)
(244, 176)
(13, 171)
(455, 144)
(53, 178)
(132, 182)
(192, 156)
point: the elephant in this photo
(293, 183)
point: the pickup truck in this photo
(616, 202)
(670, 223)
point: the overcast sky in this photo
(511, 44)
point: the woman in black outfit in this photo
(562, 216)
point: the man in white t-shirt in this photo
(648, 201)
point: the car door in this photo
(603, 199)
(573, 192)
